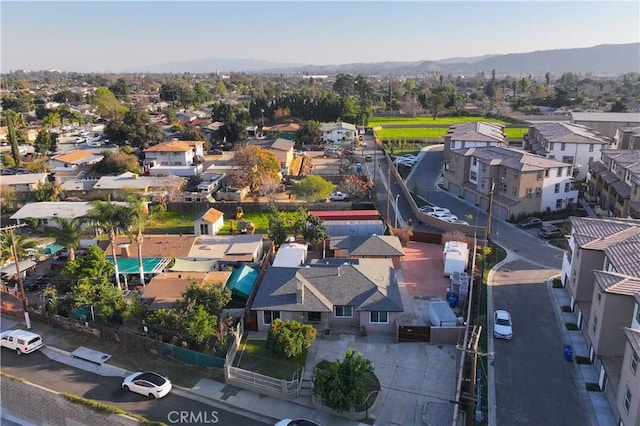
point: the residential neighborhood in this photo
(322, 245)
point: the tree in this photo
(309, 133)
(111, 218)
(47, 191)
(67, 233)
(202, 95)
(313, 188)
(201, 326)
(309, 226)
(138, 220)
(212, 296)
(117, 163)
(358, 187)
(8, 198)
(289, 338)
(234, 119)
(8, 239)
(277, 229)
(618, 106)
(341, 384)
(547, 78)
(12, 138)
(253, 165)
(135, 127)
(344, 85)
(43, 143)
(107, 105)
(52, 120)
(193, 134)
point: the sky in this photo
(114, 36)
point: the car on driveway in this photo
(151, 385)
(21, 341)
(530, 222)
(338, 196)
(502, 326)
(550, 231)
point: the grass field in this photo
(446, 121)
(411, 133)
(260, 221)
(170, 220)
(253, 355)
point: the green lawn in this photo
(411, 133)
(170, 220)
(253, 355)
(515, 132)
(378, 121)
(260, 221)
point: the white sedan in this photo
(151, 385)
(338, 196)
(502, 326)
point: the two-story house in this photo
(523, 183)
(177, 158)
(627, 402)
(627, 138)
(281, 148)
(473, 135)
(23, 185)
(614, 182)
(570, 143)
(336, 133)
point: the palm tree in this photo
(138, 220)
(68, 233)
(18, 245)
(111, 218)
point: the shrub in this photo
(571, 326)
(566, 308)
(289, 338)
(593, 387)
(557, 283)
(582, 360)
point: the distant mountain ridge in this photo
(602, 59)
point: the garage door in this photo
(499, 212)
(454, 189)
(470, 197)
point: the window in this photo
(559, 174)
(634, 362)
(599, 296)
(595, 323)
(269, 316)
(314, 316)
(503, 172)
(503, 187)
(379, 317)
(567, 187)
(474, 162)
(627, 399)
(539, 175)
(44, 221)
(590, 160)
(204, 228)
(484, 168)
(538, 192)
(559, 203)
(550, 146)
(529, 192)
(473, 176)
(563, 146)
(514, 190)
(567, 159)
(556, 188)
(516, 174)
(343, 311)
(546, 173)
(590, 147)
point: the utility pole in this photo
(14, 251)
(388, 191)
(487, 236)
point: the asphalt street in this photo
(39, 369)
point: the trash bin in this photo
(453, 299)
(568, 352)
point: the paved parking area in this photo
(423, 270)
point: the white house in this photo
(338, 132)
(473, 135)
(290, 255)
(570, 143)
(45, 211)
(209, 222)
(178, 158)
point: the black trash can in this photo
(568, 352)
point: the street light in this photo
(397, 209)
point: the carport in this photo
(150, 265)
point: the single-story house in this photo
(45, 211)
(328, 296)
(368, 247)
(164, 290)
(23, 184)
(290, 255)
(227, 249)
(74, 159)
(167, 246)
(285, 131)
(280, 147)
(210, 222)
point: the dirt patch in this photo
(423, 270)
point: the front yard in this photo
(253, 355)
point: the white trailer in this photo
(456, 257)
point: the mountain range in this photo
(605, 59)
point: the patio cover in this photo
(184, 265)
(150, 265)
(10, 270)
(53, 249)
(242, 280)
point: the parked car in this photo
(368, 158)
(440, 213)
(451, 218)
(430, 209)
(347, 152)
(316, 148)
(21, 341)
(530, 222)
(332, 152)
(215, 151)
(338, 196)
(151, 385)
(502, 326)
(299, 153)
(550, 231)
(296, 422)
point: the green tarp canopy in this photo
(150, 265)
(242, 280)
(53, 249)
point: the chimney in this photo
(299, 293)
(124, 250)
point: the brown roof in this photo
(212, 215)
(173, 146)
(166, 289)
(73, 156)
(286, 127)
(156, 246)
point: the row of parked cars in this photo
(406, 160)
(442, 214)
(545, 231)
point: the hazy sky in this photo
(112, 36)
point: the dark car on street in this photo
(530, 222)
(550, 231)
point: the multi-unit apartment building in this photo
(627, 138)
(570, 143)
(523, 183)
(606, 123)
(473, 135)
(614, 182)
(601, 272)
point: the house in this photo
(606, 123)
(601, 271)
(614, 182)
(368, 247)
(290, 255)
(350, 295)
(627, 138)
(154, 246)
(210, 222)
(115, 186)
(23, 184)
(186, 116)
(178, 158)
(338, 132)
(74, 159)
(164, 290)
(281, 148)
(45, 211)
(523, 183)
(228, 249)
(282, 131)
(472, 135)
(570, 143)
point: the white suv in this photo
(21, 341)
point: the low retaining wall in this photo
(351, 414)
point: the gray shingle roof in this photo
(370, 245)
(477, 131)
(509, 157)
(368, 286)
(569, 133)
